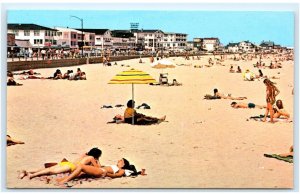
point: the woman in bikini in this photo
(113, 171)
(279, 110)
(91, 158)
(271, 92)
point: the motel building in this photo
(153, 39)
(38, 36)
(210, 44)
(174, 41)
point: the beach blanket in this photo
(276, 156)
(261, 117)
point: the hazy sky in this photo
(229, 26)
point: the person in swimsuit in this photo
(279, 110)
(91, 158)
(11, 141)
(238, 70)
(291, 153)
(139, 119)
(231, 70)
(113, 171)
(271, 93)
(222, 96)
(245, 105)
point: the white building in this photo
(247, 47)
(233, 47)
(174, 41)
(38, 36)
(153, 39)
(210, 44)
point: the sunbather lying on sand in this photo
(222, 96)
(139, 119)
(11, 82)
(291, 153)
(245, 105)
(11, 141)
(113, 171)
(175, 83)
(91, 158)
(30, 72)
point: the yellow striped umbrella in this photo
(132, 76)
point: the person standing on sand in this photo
(271, 93)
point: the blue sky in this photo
(229, 26)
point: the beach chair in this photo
(163, 78)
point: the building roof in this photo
(266, 43)
(28, 27)
(96, 31)
(147, 31)
(210, 38)
(122, 33)
(232, 44)
(23, 43)
(66, 29)
(175, 33)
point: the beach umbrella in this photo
(132, 76)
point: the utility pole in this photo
(81, 33)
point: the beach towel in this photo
(211, 97)
(276, 156)
(261, 117)
(106, 106)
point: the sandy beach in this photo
(202, 144)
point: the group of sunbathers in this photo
(69, 75)
(87, 164)
(79, 75)
(231, 70)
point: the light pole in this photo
(81, 33)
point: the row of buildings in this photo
(32, 36)
(58, 37)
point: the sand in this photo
(203, 144)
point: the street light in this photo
(81, 33)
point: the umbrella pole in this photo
(133, 102)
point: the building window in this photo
(16, 32)
(36, 32)
(38, 41)
(54, 42)
(26, 32)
